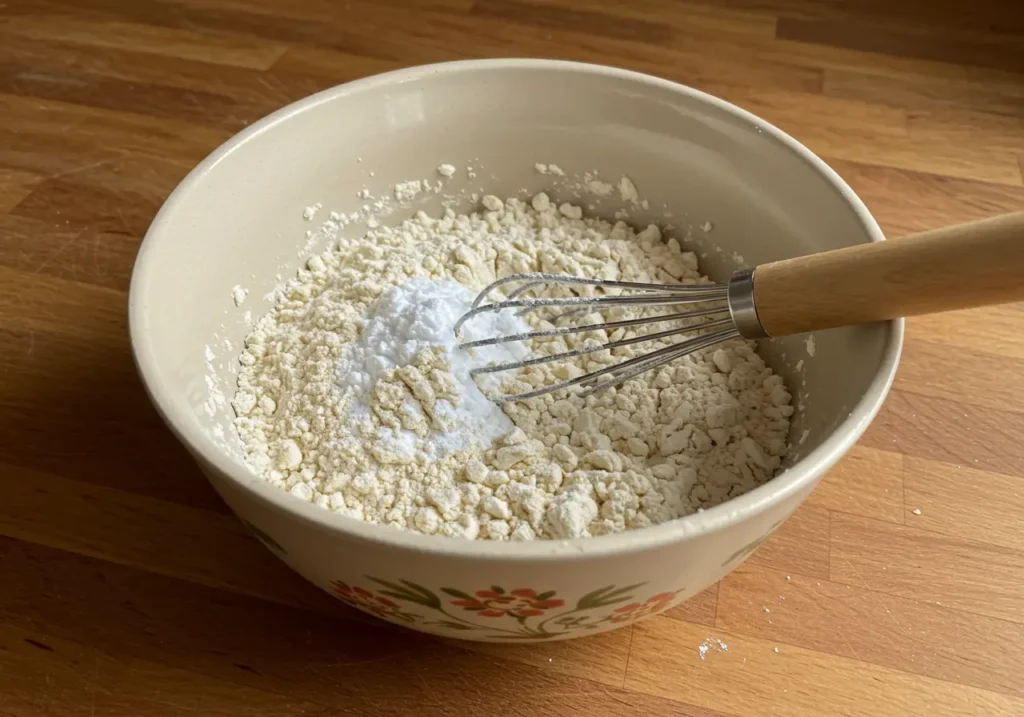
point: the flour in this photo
(407, 191)
(811, 346)
(627, 191)
(352, 395)
(239, 294)
(549, 169)
(708, 644)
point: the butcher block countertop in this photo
(128, 588)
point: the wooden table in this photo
(126, 587)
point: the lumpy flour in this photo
(352, 394)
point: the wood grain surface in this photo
(126, 587)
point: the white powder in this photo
(351, 396)
(418, 317)
(708, 644)
(446, 170)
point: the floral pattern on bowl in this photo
(498, 613)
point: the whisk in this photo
(967, 265)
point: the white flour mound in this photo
(415, 320)
(352, 395)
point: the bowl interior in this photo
(729, 186)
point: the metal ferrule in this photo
(741, 305)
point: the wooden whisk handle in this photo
(958, 267)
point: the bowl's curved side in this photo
(678, 558)
(482, 599)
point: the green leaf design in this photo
(752, 546)
(455, 625)
(527, 636)
(605, 596)
(409, 592)
(427, 594)
(457, 594)
(546, 595)
(398, 589)
(497, 589)
(264, 538)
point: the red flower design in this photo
(520, 603)
(363, 599)
(637, 610)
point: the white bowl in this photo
(237, 220)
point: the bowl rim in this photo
(802, 475)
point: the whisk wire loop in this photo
(644, 295)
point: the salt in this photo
(420, 315)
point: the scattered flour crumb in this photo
(811, 346)
(309, 212)
(549, 169)
(767, 610)
(601, 189)
(446, 170)
(627, 190)
(916, 511)
(407, 191)
(776, 650)
(238, 294)
(707, 226)
(708, 644)
(787, 578)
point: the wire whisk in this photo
(963, 266)
(647, 295)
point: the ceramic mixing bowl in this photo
(734, 187)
